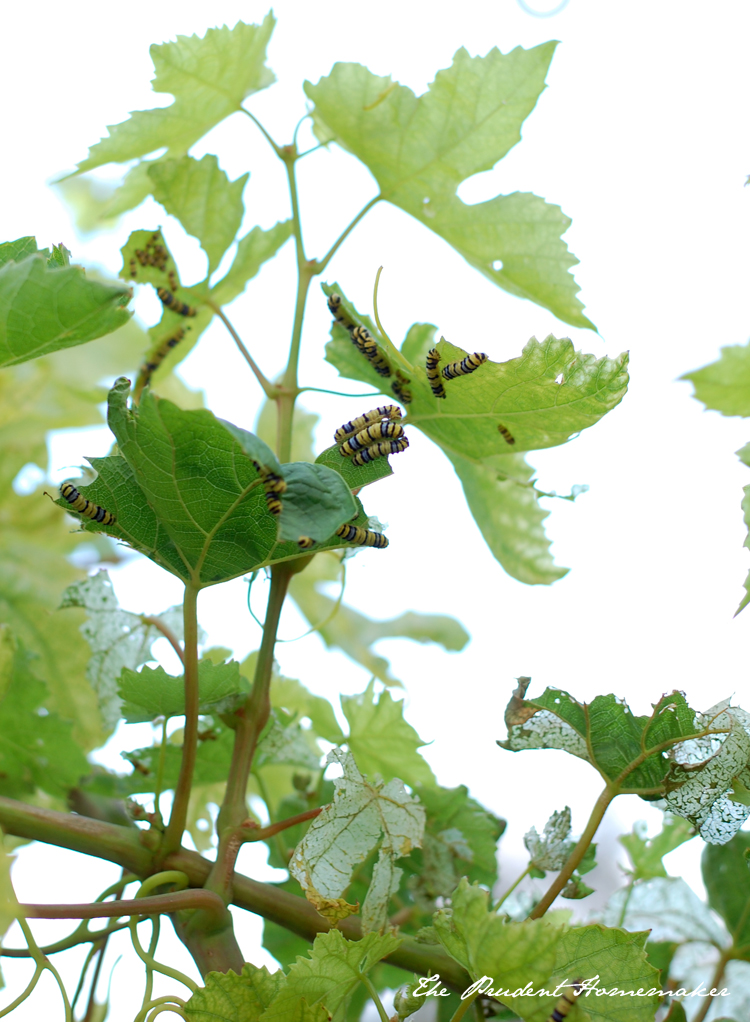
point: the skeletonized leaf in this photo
(667, 907)
(553, 848)
(420, 149)
(118, 639)
(363, 815)
(209, 78)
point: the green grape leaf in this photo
(316, 502)
(232, 998)
(407, 1002)
(355, 634)
(362, 816)
(451, 810)
(506, 508)
(330, 974)
(117, 638)
(209, 78)
(420, 149)
(552, 849)
(197, 475)
(303, 428)
(47, 308)
(18, 250)
(380, 739)
(668, 908)
(146, 259)
(611, 960)
(293, 697)
(254, 249)
(724, 385)
(200, 195)
(37, 750)
(727, 879)
(513, 954)
(355, 476)
(646, 853)
(605, 733)
(8, 902)
(541, 398)
(151, 692)
(420, 338)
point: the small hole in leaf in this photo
(560, 379)
(497, 265)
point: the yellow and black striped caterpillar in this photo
(304, 542)
(273, 485)
(149, 368)
(361, 337)
(365, 343)
(563, 1006)
(505, 434)
(400, 387)
(362, 537)
(381, 450)
(465, 366)
(338, 313)
(371, 435)
(85, 507)
(433, 373)
(174, 304)
(358, 424)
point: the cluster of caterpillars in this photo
(375, 434)
(451, 371)
(365, 343)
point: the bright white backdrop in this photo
(641, 138)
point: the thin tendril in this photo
(375, 307)
(331, 616)
(339, 393)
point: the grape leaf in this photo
(47, 308)
(209, 78)
(294, 697)
(354, 633)
(330, 975)
(744, 455)
(232, 998)
(118, 639)
(419, 149)
(253, 250)
(668, 908)
(37, 750)
(380, 739)
(362, 816)
(206, 203)
(646, 854)
(151, 692)
(727, 879)
(197, 475)
(18, 250)
(605, 733)
(724, 385)
(506, 508)
(551, 851)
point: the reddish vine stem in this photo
(159, 903)
(168, 634)
(261, 833)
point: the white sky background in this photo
(641, 138)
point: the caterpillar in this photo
(133, 267)
(365, 343)
(334, 306)
(370, 436)
(563, 1006)
(154, 254)
(505, 434)
(304, 542)
(149, 368)
(175, 304)
(85, 507)
(362, 537)
(273, 485)
(400, 387)
(465, 366)
(433, 373)
(374, 415)
(381, 450)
